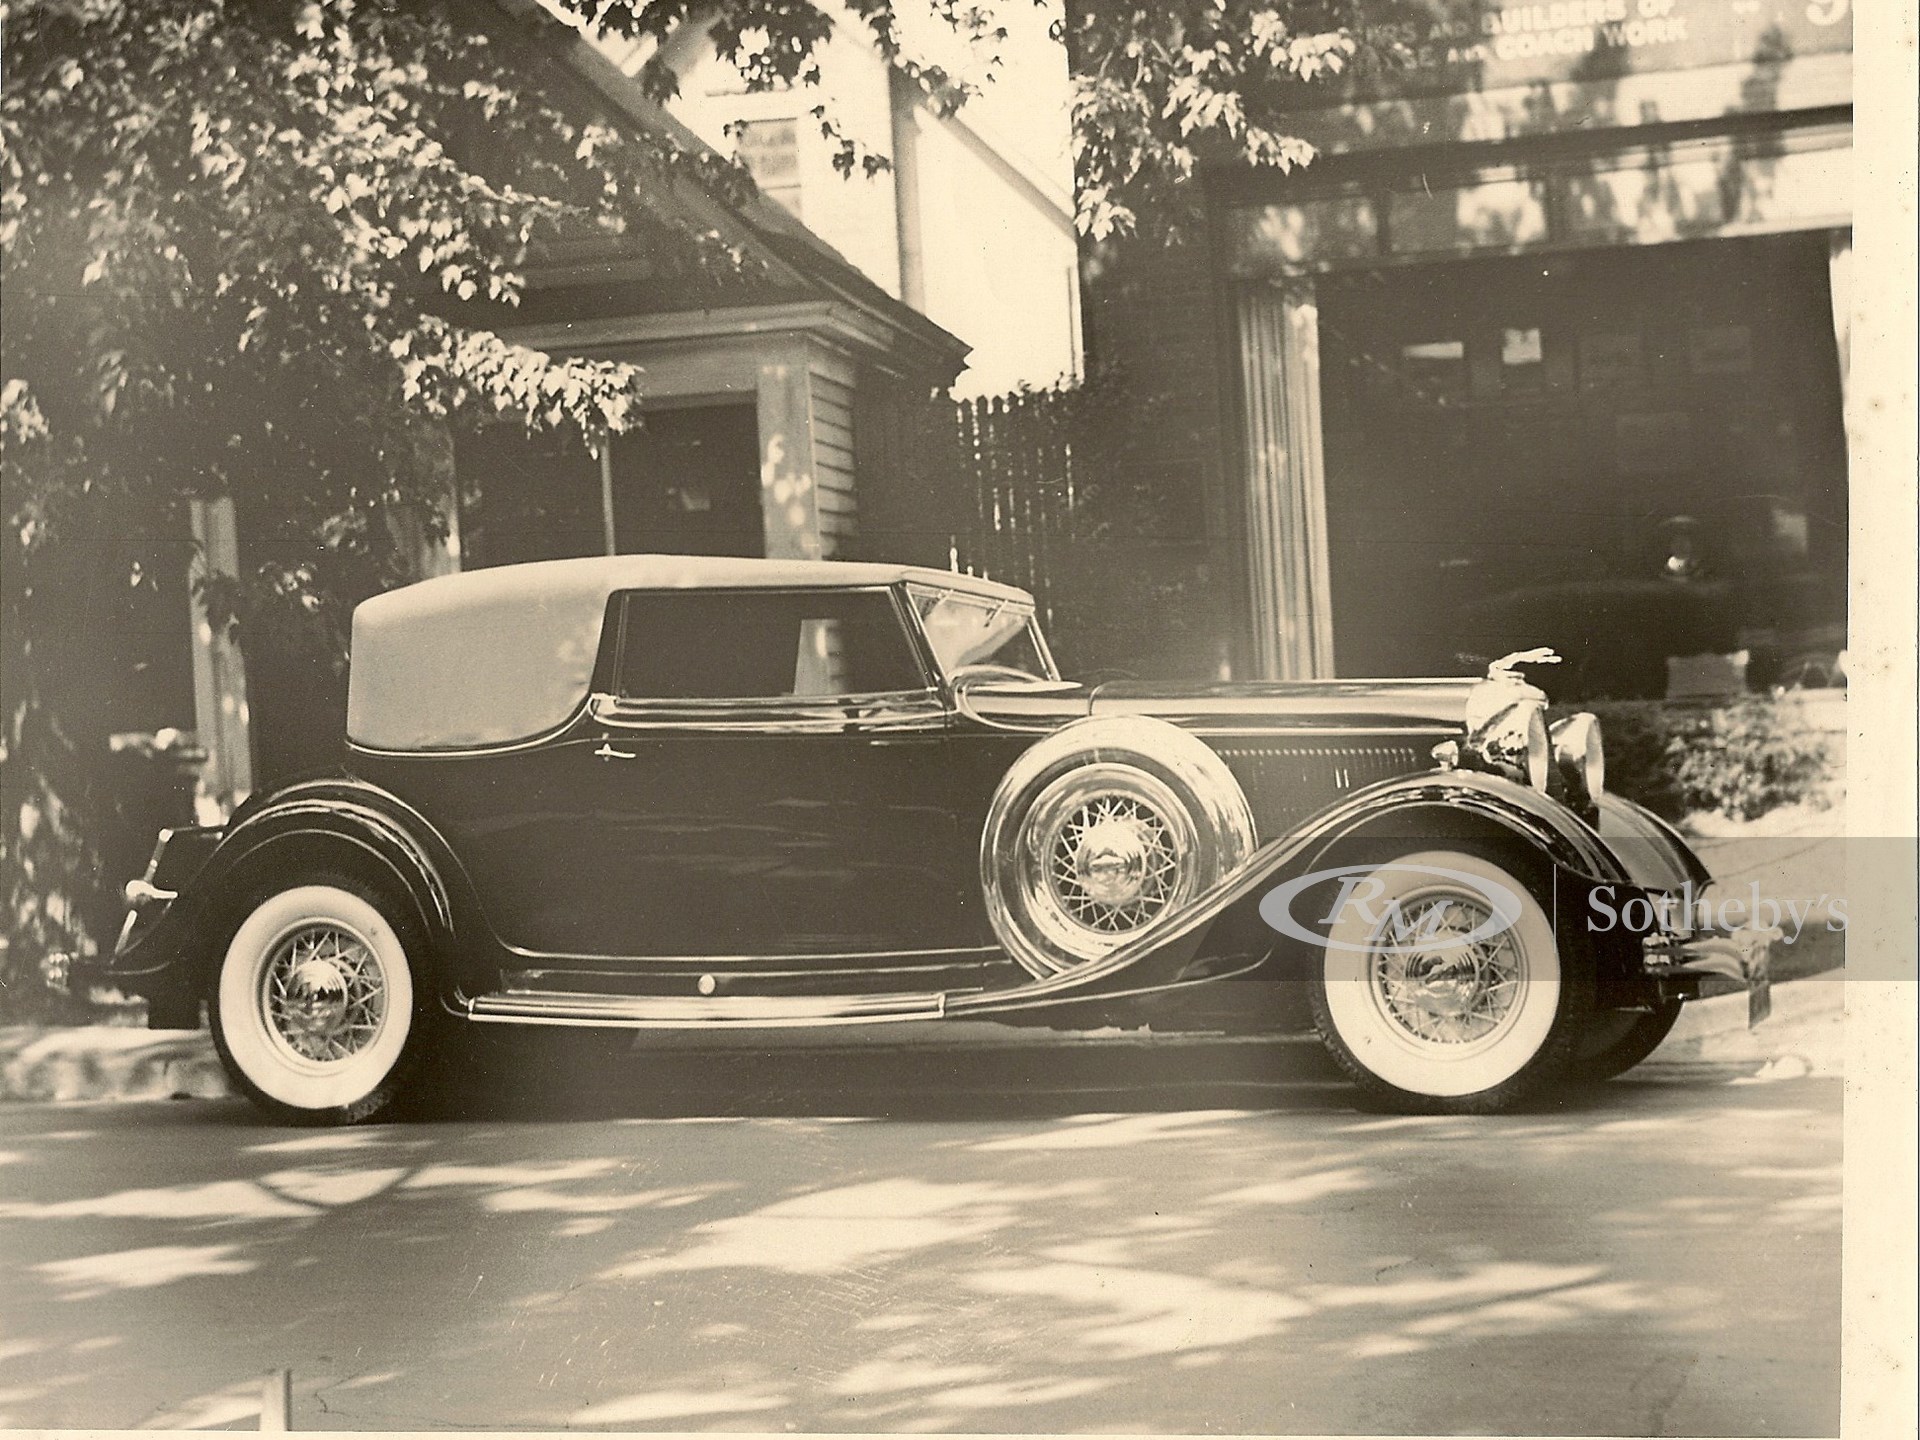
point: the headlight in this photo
(1579, 762)
(1512, 743)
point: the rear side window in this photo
(763, 644)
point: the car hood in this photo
(1434, 705)
(1364, 704)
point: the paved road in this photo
(1186, 1241)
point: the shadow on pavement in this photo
(535, 1077)
(1655, 1258)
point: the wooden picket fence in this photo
(1033, 488)
(1015, 455)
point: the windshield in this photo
(978, 630)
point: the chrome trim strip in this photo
(988, 1003)
(887, 711)
(674, 1012)
(555, 980)
(1359, 734)
(700, 961)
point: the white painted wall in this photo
(996, 263)
(972, 226)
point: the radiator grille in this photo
(1285, 783)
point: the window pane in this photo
(967, 630)
(770, 150)
(761, 644)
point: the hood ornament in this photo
(1506, 667)
(1505, 686)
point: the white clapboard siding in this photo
(832, 429)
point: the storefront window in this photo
(1630, 454)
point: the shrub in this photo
(1750, 759)
(1741, 759)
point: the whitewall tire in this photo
(1442, 986)
(315, 1008)
(1098, 831)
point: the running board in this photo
(695, 1012)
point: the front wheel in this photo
(1442, 987)
(1618, 1040)
(315, 1008)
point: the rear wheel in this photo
(1442, 987)
(317, 1009)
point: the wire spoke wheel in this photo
(1102, 830)
(1442, 985)
(324, 993)
(1107, 849)
(1113, 865)
(1436, 981)
(314, 1004)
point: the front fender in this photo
(1221, 932)
(1416, 802)
(1656, 856)
(333, 820)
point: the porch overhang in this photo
(855, 333)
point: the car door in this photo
(765, 778)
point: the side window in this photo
(763, 644)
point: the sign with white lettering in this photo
(1456, 46)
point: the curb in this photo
(1805, 1034)
(1812, 998)
(108, 1062)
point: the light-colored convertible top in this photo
(493, 656)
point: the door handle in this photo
(607, 752)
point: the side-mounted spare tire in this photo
(1100, 829)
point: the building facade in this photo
(970, 221)
(1547, 346)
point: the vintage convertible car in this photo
(686, 792)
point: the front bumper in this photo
(1692, 967)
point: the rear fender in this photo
(315, 825)
(335, 813)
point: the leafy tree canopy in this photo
(1157, 89)
(234, 231)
